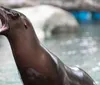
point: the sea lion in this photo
(36, 64)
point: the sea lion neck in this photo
(23, 40)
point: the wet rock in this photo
(48, 18)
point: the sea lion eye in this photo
(15, 14)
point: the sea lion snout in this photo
(10, 19)
(10, 12)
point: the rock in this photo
(13, 3)
(46, 19)
(91, 5)
(60, 22)
(10, 3)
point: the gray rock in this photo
(47, 18)
(13, 3)
(91, 5)
(60, 21)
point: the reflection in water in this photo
(80, 49)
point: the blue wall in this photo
(85, 16)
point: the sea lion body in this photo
(36, 64)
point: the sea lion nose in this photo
(9, 11)
(3, 9)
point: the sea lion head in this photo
(11, 20)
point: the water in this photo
(78, 49)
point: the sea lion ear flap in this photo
(24, 21)
(25, 24)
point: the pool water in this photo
(77, 49)
(80, 49)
